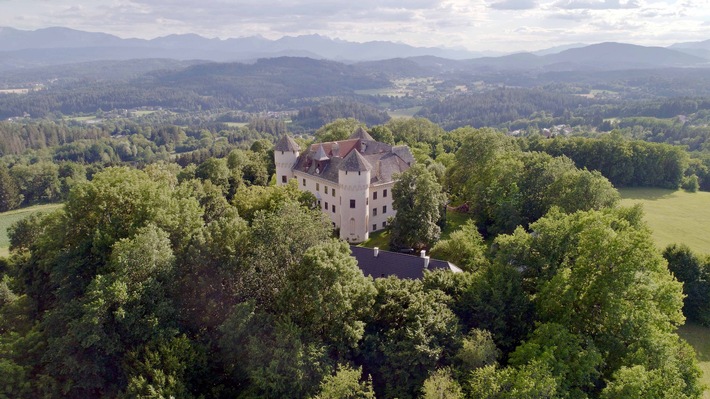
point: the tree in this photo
(529, 381)
(694, 273)
(464, 248)
(600, 276)
(573, 360)
(328, 296)
(418, 199)
(10, 197)
(339, 129)
(410, 331)
(477, 350)
(440, 385)
(346, 384)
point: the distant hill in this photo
(50, 46)
(698, 49)
(269, 84)
(606, 56)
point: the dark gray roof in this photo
(403, 152)
(320, 154)
(354, 162)
(380, 158)
(395, 264)
(385, 167)
(361, 133)
(286, 144)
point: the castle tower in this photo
(354, 179)
(286, 152)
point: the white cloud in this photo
(476, 24)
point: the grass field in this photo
(674, 216)
(10, 217)
(699, 338)
(404, 112)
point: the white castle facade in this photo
(351, 179)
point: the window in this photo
(326, 206)
(384, 193)
(304, 182)
(374, 211)
(384, 224)
(374, 227)
(333, 208)
(352, 203)
(384, 209)
(325, 189)
(318, 203)
(374, 195)
(284, 179)
(317, 187)
(333, 191)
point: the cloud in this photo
(514, 5)
(571, 15)
(597, 4)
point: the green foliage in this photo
(328, 296)
(10, 197)
(440, 385)
(505, 187)
(465, 248)
(161, 370)
(249, 200)
(477, 350)
(690, 183)
(346, 384)
(574, 363)
(694, 273)
(529, 381)
(278, 241)
(339, 129)
(418, 199)
(410, 332)
(624, 162)
(598, 275)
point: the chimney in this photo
(377, 251)
(426, 262)
(422, 253)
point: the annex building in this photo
(351, 179)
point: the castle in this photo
(351, 179)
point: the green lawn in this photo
(10, 217)
(699, 338)
(674, 216)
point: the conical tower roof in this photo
(286, 144)
(355, 162)
(320, 154)
(361, 134)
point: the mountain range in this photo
(20, 49)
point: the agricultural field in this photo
(404, 112)
(674, 216)
(697, 336)
(10, 217)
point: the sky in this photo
(477, 25)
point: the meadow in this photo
(674, 216)
(697, 336)
(10, 217)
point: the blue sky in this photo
(497, 25)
